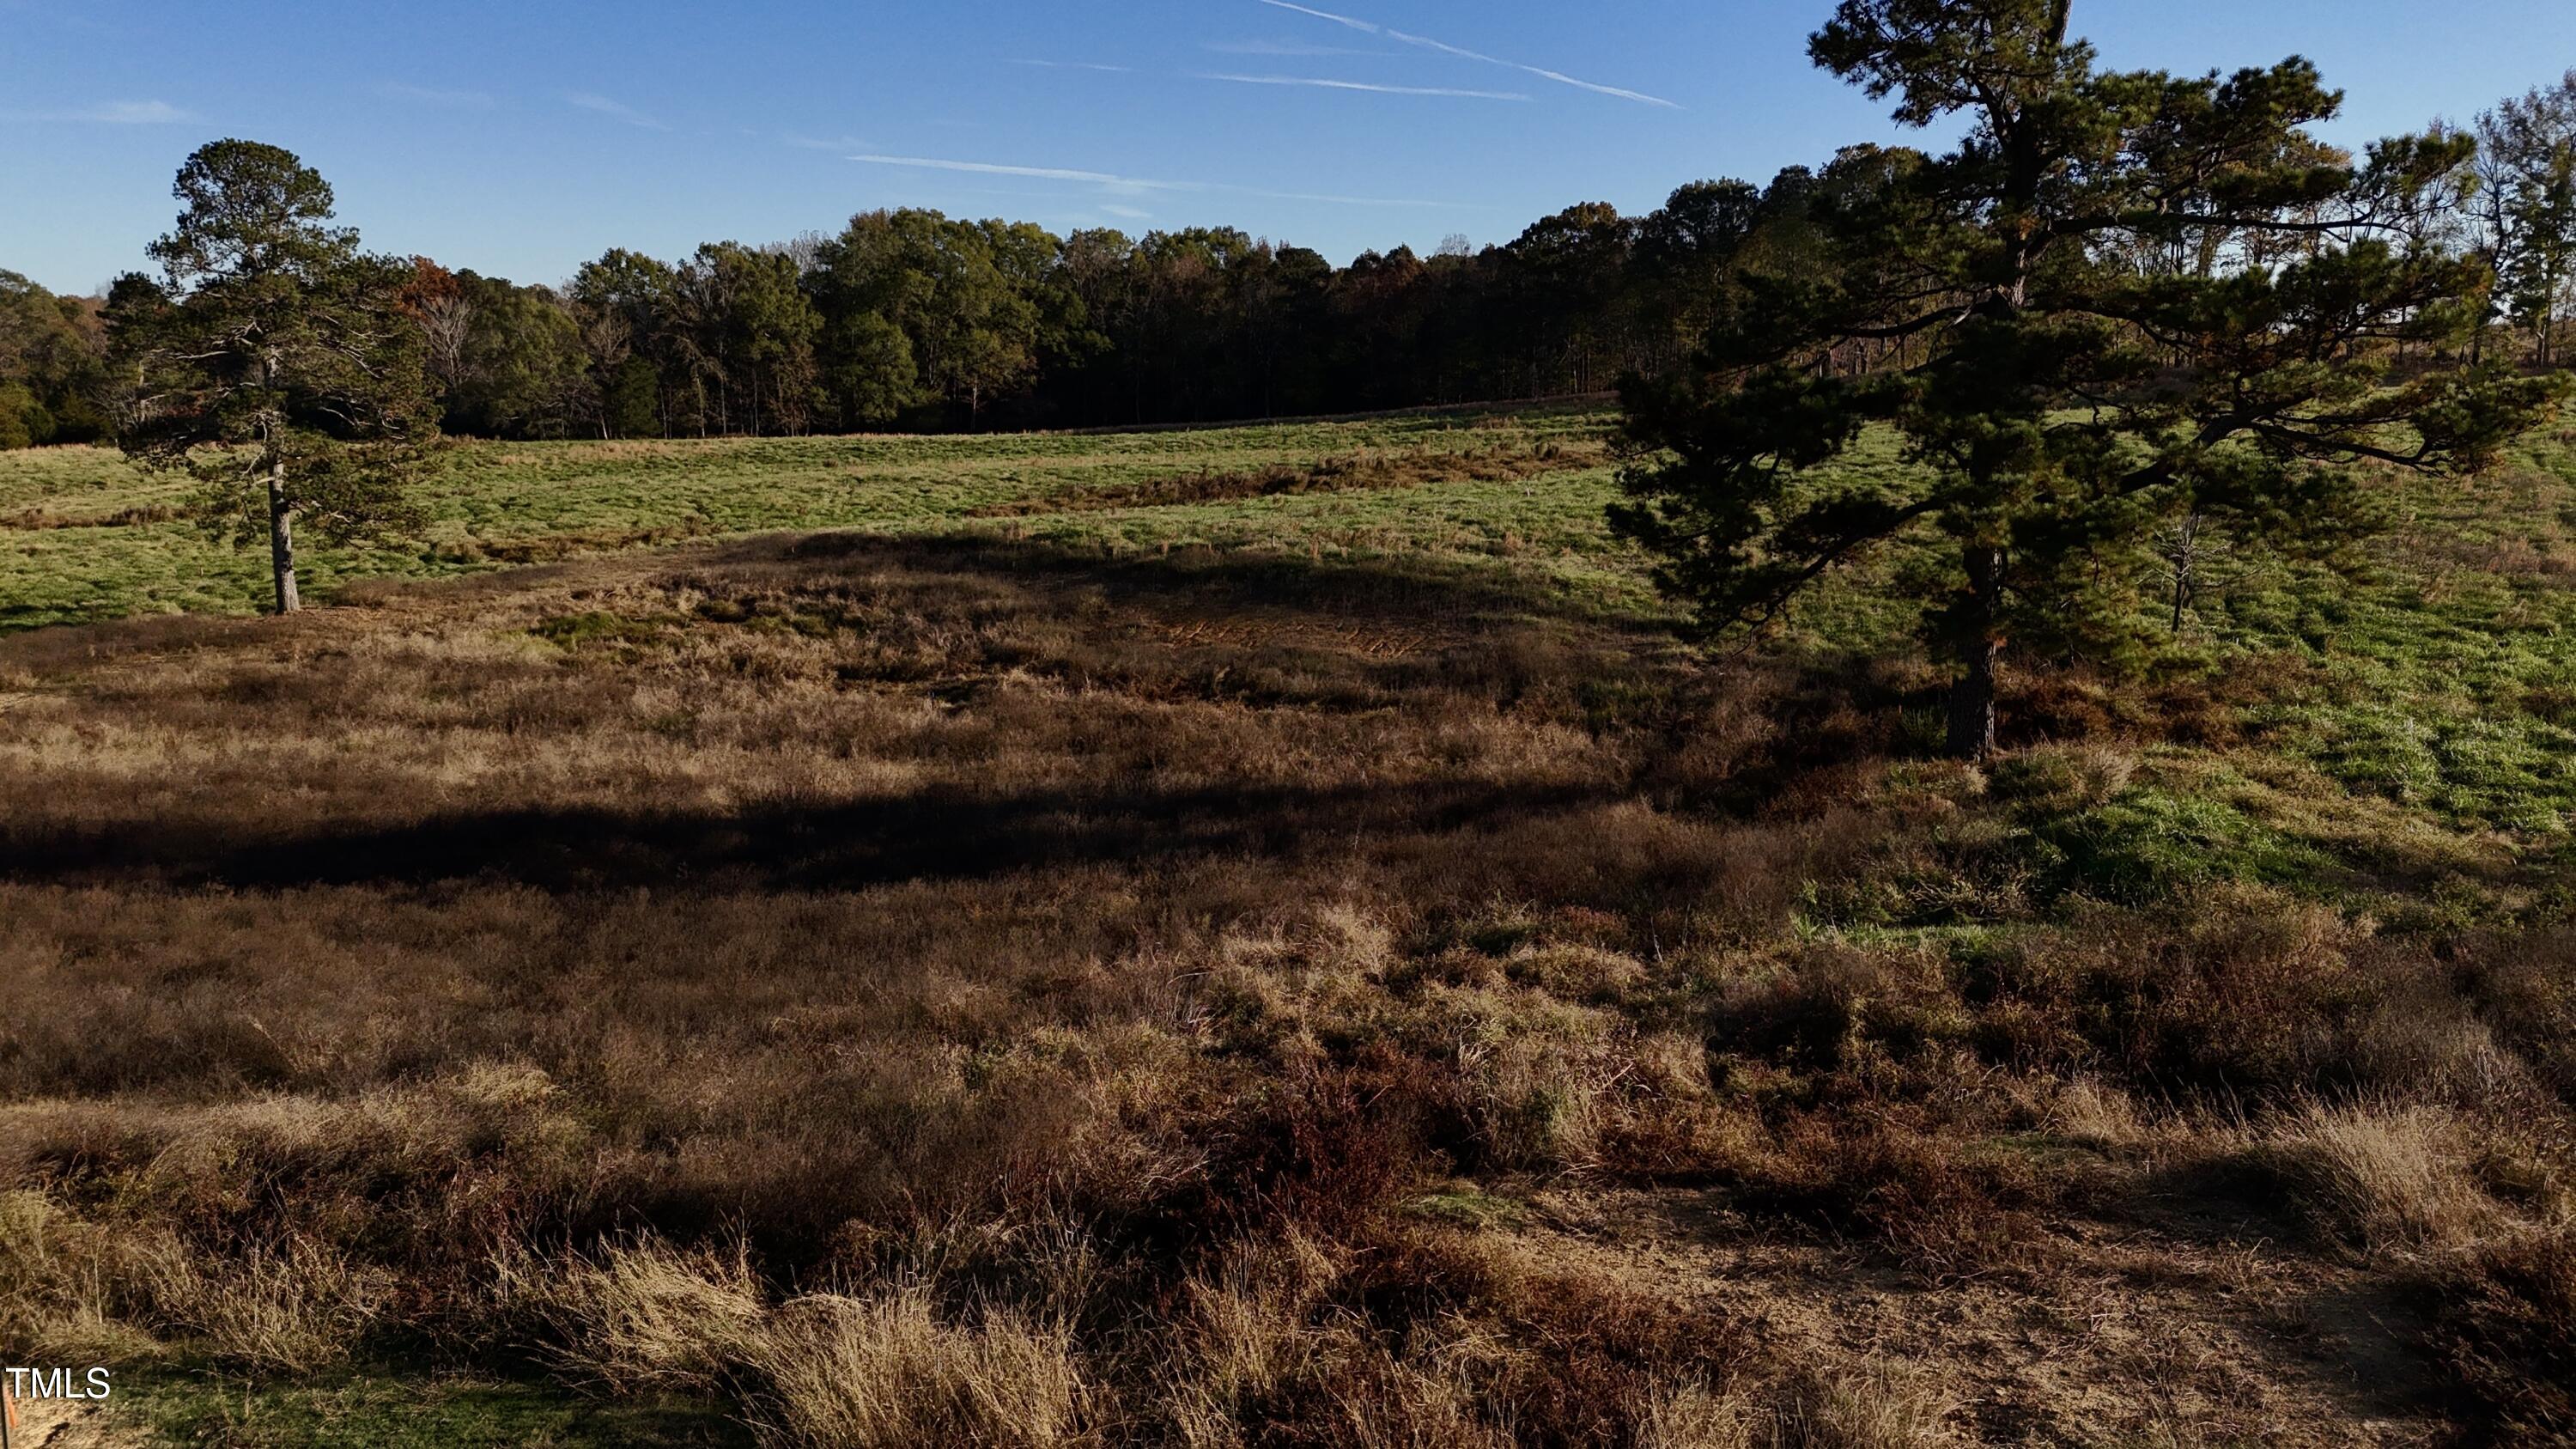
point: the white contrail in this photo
(1044, 173)
(614, 110)
(431, 95)
(1370, 27)
(1343, 85)
(113, 113)
(1129, 184)
(1282, 48)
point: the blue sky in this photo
(521, 138)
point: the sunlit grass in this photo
(66, 556)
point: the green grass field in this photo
(86, 537)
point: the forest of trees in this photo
(53, 366)
(910, 319)
(913, 320)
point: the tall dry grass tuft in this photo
(2378, 1177)
(1872, 1406)
(289, 1309)
(1877, 1408)
(641, 1316)
(2093, 1114)
(1246, 1337)
(1695, 1416)
(68, 1287)
(889, 1373)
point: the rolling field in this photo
(1260, 937)
(85, 537)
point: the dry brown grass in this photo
(639, 1317)
(934, 993)
(2505, 1340)
(2381, 1177)
(290, 1309)
(886, 1373)
(1864, 1407)
(1878, 1408)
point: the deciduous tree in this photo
(2527, 222)
(52, 366)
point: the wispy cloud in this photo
(1370, 27)
(819, 143)
(433, 96)
(1078, 65)
(1129, 185)
(1285, 49)
(1129, 213)
(613, 109)
(140, 113)
(1346, 85)
(113, 113)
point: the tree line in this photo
(917, 321)
(54, 384)
(913, 320)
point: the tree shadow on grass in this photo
(1206, 579)
(1194, 579)
(940, 834)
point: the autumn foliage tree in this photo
(2124, 297)
(273, 360)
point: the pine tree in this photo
(2061, 391)
(274, 361)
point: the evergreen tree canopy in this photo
(276, 361)
(2125, 297)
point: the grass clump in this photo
(888, 1372)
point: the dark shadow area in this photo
(939, 834)
(1197, 578)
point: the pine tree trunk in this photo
(1972, 698)
(281, 540)
(2186, 567)
(1972, 704)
